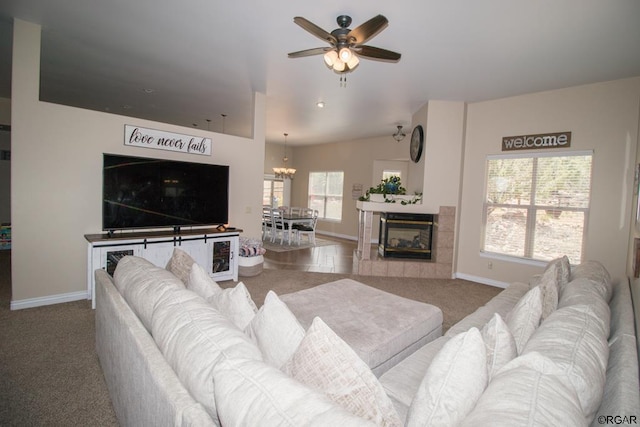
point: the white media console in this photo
(216, 250)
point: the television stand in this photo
(213, 249)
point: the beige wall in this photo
(57, 177)
(5, 165)
(603, 118)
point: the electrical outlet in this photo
(490, 265)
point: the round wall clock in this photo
(417, 143)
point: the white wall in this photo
(602, 117)
(57, 177)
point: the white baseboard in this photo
(482, 280)
(52, 299)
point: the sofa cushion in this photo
(499, 343)
(524, 318)
(595, 271)
(180, 264)
(576, 341)
(142, 284)
(194, 337)
(275, 330)
(253, 393)
(326, 363)
(529, 391)
(453, 383)
(235, 303)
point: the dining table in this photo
(291, 219)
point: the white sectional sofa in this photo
(559, 351)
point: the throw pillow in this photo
(499, 343)
(453, 383)
(549, 290)
(524, 318)
(323, 361)
(200, 283)
(234, 303)
(180, 264)
(563, 270)
(275, 330)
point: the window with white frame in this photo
(537, 205)
(325, 194)
(273, 191)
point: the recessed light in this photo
(127, 107)
(148, 90)
(320, 104)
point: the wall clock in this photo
(417, 143)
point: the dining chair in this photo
(308, 230)
(267, 228)
(278, 225)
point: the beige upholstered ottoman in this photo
(381, 327)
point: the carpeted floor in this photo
(49, 370)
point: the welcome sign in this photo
(538, 141)
(150, 138)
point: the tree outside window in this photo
(537, 206)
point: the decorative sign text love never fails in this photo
(149, 138)
(532, 142)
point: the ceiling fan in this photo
(346, 45)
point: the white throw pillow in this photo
(180, 264)
(563, 270)
(234, 303)
(253, 393)
(275, 330)
(524, 318)
(529, 391)
(201, 283)
(453, 383)
(323, 361)
(500, 345)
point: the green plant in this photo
(389, 187)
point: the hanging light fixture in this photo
(284, 172)
(399, 135)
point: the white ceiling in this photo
(205, 58)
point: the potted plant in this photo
(390, 190)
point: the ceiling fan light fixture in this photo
(330, 58)
(339, 65)
(345, 54)
(353, 62)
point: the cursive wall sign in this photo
(534, 142)
(150, 138)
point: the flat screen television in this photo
(141, 192)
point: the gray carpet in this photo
(49, 371)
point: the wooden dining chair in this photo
(308, 230)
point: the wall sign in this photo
(538, 141)
(160, 140)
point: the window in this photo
(273, 188)
(325, 194)
(536, 206)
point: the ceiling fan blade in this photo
(309, 52)
(366, 31)
(376, 53)
(315, 30)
